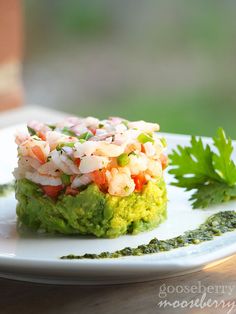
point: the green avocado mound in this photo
(91, 212)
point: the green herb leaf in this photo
(65, 178)
(192, 165)
(68, 144)
(68, 131)
(31, 131)
(163, 141)
(212, 193)
(52, 127)
(223, 163)
(126, 123)
(85, 136)
(212, 175)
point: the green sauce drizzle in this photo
(215, 225)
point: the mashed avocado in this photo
(91, 211)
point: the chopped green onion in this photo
(52, 127)
(31, 131)
(65, 178)
(67, 131)
(144, 138)
(85, 136)
(126, 123)
(123, 160)
(68, 144)
(36, 138)
(82, 141)
(163, 141)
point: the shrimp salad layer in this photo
(117, 155)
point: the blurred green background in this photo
(172, 62)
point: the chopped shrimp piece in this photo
(49, 168)
(92, 163)
(56, 158)
(70, 164)
(135, 146)
(138, 163)
(149, 149)
(120, 182)
(158, 148)
(154, 168)
(55, 138)
(34, 163)
(25, 164)
(21, 137)
(35, 148)
(91, 122)
(42, 179)
(144, 126)
(38, 126)
(85, 149)
(81, 180)
(108, 150)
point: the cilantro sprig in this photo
(212, 174)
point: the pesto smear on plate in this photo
(215, 225)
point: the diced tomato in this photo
(93, 130)
(42, 136)
(139, 181)
(77, 161)
(142, 148)
(71, 191)
(99, 177)
(52, 191)
(39, 154)
(164, 161)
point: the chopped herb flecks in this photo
(215, 225)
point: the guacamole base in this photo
(91, 212)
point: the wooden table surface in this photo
(26, 298)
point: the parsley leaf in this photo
(211, 194)
(211, 174)
(223, 163)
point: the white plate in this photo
(36, 257)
